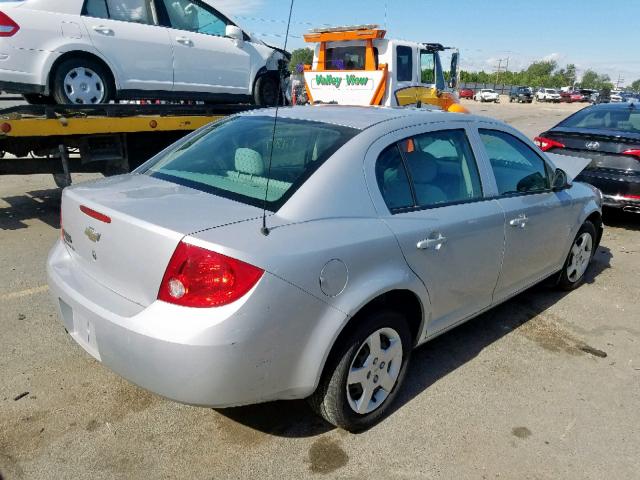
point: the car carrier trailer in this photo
(109, 138)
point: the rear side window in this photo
(517, 168)
(428, 170)
(621, 119)
(225, 160)
(393, 180)
(404, 65)
(442, 168)
(136, 11)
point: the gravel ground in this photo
(546, 386)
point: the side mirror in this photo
(560, 180)
(234, 33)
(453, 74)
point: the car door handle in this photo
(103, 30)
(184, 41)
(520, 221)
(432, 243)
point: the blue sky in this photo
(591, 34)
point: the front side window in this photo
(427, 67)
(224, 160)
(136, 11)
(404, 64)
(190, 16)
(517, 168)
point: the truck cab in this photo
(359, 66)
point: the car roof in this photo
(356, 117)
(616, 106)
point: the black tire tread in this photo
(326, 401)
(563, 281)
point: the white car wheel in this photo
(84, 86)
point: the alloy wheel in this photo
(581, 252)
(374, 371)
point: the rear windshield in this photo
(348, 58)
(231, 158)
(620, 119)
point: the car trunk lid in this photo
(604, 148)
(122, 231)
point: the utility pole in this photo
(499, 68)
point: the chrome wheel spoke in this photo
(358, 376)
(392, 351)
(364, 402)
(374, 345)
(387, 382)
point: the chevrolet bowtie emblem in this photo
(92, 234)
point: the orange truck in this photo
(358, 65)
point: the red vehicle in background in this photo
(571, 97)
(466, 93)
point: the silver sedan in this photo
(306, 257)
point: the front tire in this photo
(364, 372)
(267, 91)
(82, 81)
(582, 251)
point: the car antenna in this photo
(265, 230)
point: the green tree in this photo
(299, 56)
(635, 86)
(592, 79)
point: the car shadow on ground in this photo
(434, 360)
(43, 205)
(616, 218)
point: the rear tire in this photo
(82, 81)
(341, 392)
(267, 91)
(577, 263)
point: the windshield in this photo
(231, 158)
(620, 119)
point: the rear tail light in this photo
(8, 27)
(633, 152)
(197, 277)
(546, 144)
(93, 214)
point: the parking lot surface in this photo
(545, 386)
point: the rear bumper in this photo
(615, 187)
(220, 357)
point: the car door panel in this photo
(204, 60)
(536, 226)
(140, 53)
(455, 246)
(456, 250)
(206, 63)
(537, 220)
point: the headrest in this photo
(249, 161)
(423, 166)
